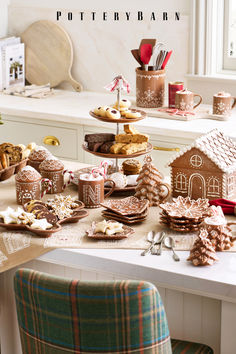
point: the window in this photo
(231, 184)
(213, 38)
(196, 161)
(213, 186)
(230, 35)
(181, 182)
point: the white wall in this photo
(102, 49)
(3, 18)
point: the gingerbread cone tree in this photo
(150, 185)
(202, 252)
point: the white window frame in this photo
(206, 40)
(229, 63)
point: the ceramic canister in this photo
(150, 88)
(38, 155)
(222, 103)
(184, 100)
(173, 87)
(28, 185)
(53, 169)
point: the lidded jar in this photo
(28, 185)
(38, 155)
(53, 169)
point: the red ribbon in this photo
(227, 206)
(116, 82)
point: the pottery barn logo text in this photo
(117, 16)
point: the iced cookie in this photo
(112, 113)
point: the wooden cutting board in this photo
(48, 55)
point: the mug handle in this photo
(168, 191)
(48, 182)
(200, 100)
(112, 188)
(234, 102)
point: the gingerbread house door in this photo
(197, 186)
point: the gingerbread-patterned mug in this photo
(184, 100)
(222, 103)
(91, 189)
(30, 185)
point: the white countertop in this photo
(217, 281)
(73, 107)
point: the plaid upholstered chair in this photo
(60, 316)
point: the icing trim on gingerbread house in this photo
(219, 148)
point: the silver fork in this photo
(152, 238)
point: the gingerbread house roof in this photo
(218, 147)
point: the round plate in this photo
(126, 189)
(121, 119)
(119, 156)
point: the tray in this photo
(119, 156)
(100, 236)
(20, 227)
(120, 219)
(122, 119)
(127, 206)
(11, 170)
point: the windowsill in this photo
(228, 78)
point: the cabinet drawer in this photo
(162, 153)
(22, 132)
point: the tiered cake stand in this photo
(119, 121)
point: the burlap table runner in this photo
(19, 247)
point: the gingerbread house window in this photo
(231, 184)
(213, 186)
(196, 161)
(181, 182)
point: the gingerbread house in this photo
(205, 169)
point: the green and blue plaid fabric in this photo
(183, 347)
(58, 316)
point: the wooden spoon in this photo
(135, 53)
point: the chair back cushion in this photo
(58, 315)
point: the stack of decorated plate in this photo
(128, 210)
(184, 214)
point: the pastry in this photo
(99, 137)
(130, 129)
(116, 148)
(105, 148)
(131, 167)
(14, 153)
(123, 103)
(26, 218)
(97, 111)
(4, 146)
(94, 146)
(133, 148)
(108, 228)
(119, 179)
(103, 110)
(112, 113)
(25, 154)
(16, 213)
(131, 138)
(31, 146)
(133, 114)
(4, 159)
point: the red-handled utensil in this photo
(166, 60)
(145, 55)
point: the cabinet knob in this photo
(51, 140)
(161, 148)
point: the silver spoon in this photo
(170, 243)
(152, 239)
(160, 242)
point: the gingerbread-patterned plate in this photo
(101, 236)
(126, 206)
(38, 232)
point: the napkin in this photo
(227, 206)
